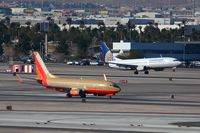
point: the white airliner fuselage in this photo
(157, 64)
(146, 63)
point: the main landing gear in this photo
(140, 68)
(82, 94)
(110, 96)
(76, 92)
(146, 72)
(136, 72)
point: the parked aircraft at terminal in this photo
(157, 64)
(73, 86)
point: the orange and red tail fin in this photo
(41, 70)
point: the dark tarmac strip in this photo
(20, 98)
(112, 76)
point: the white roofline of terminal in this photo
(120, 47)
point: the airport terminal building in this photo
(184, 51)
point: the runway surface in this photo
(145, 103)
(99, 121)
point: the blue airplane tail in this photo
(106, 52)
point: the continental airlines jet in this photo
(73, 86)
(157, 64)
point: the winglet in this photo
(105, 78)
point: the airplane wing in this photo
(26, 80)
(123, 65)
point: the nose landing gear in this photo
(136, 72)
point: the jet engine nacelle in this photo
(140, 68)
(74, 92)
(113, 65)
(78, 92)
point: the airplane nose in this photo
(118, 89)
(179, 63)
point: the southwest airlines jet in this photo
(157, 64)
(73, 86)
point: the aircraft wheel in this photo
(82, 94)
(136, 72)
(146, 72)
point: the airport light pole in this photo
(184, 53)
(44, 27)
(46, 45)
(102, 34)
(184, 39)
(41, 50)
(184, 48)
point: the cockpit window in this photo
(114, 85)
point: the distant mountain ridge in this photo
(131, 3)
(147, 3)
